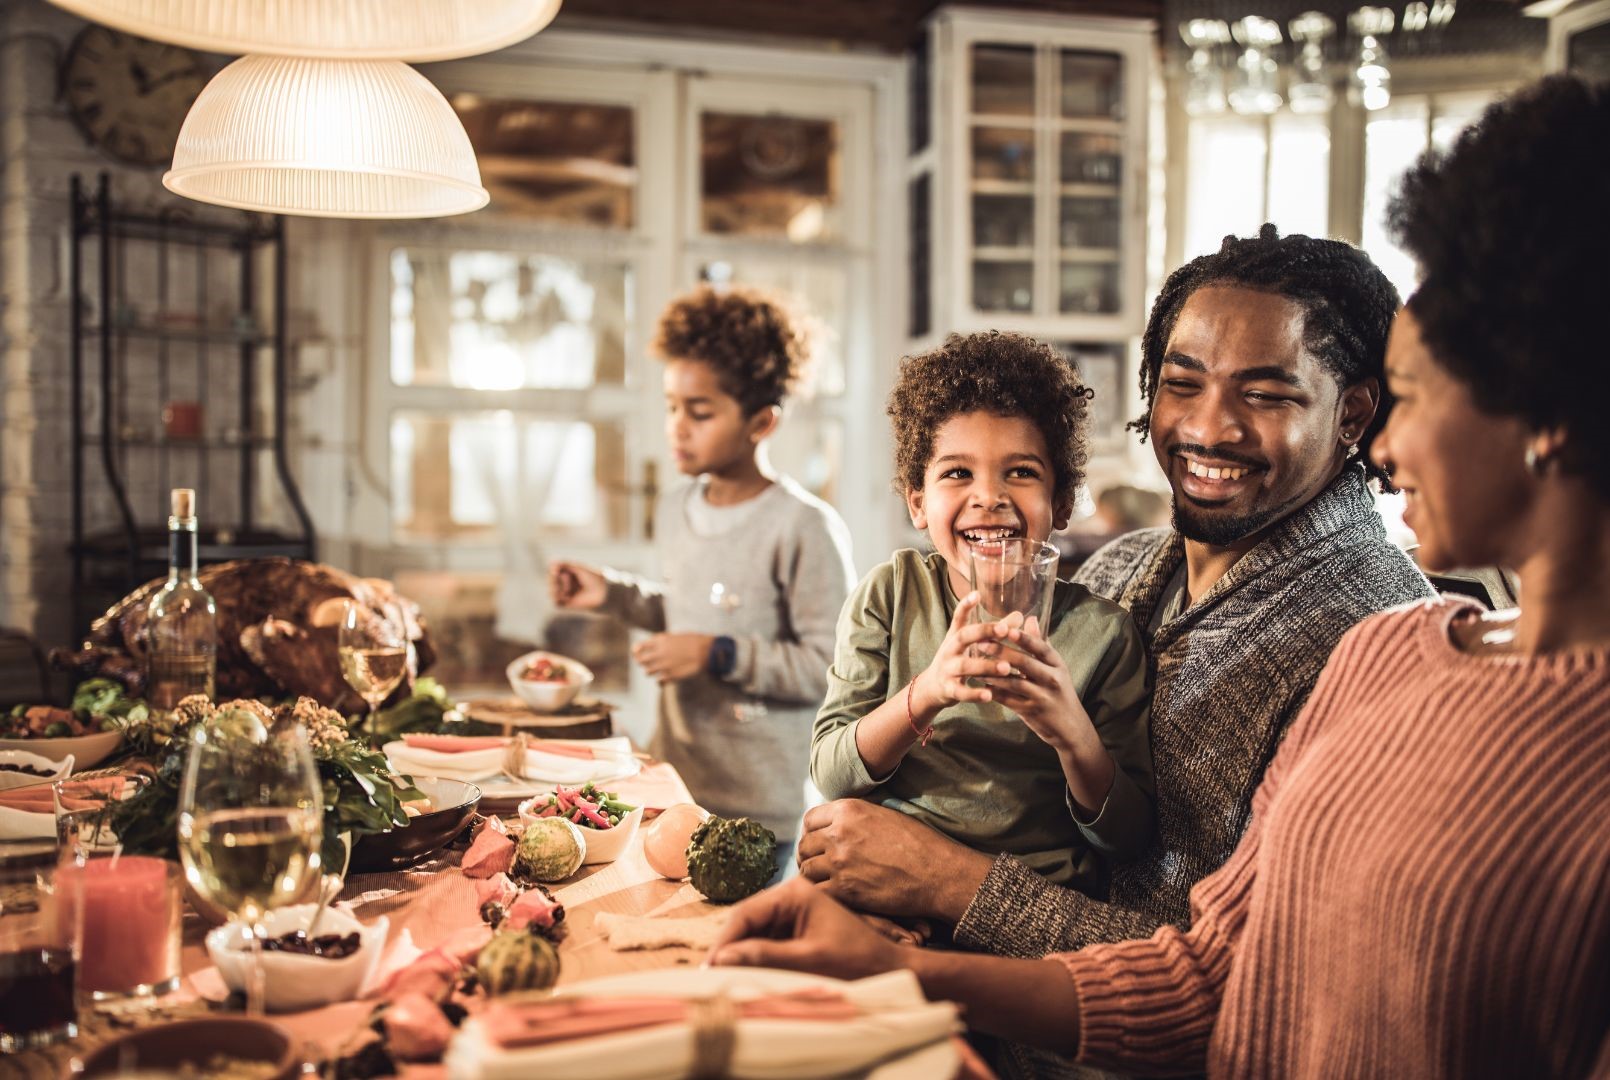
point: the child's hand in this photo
(1039, 688)
(672, 657)
(946, 680)
(575, 585)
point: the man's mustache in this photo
(1214, 453)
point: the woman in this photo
(1425, 887)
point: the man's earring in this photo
(1536, 463)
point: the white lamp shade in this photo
(416, 30)
(326, 138)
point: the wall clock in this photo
(130, 95)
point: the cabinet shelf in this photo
(985, 253)
(1089, 255)
(1003, 187)
(200, 335)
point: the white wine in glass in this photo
(251, 817)
(373, 653)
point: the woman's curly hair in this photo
(758, 345)
(995, 372)
(1348, 306)
(1511, 229)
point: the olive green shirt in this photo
(985, 778)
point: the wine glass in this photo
(251, 816)
(374, 654)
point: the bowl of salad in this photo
(59, 734)
(609, 822)
(547, 682)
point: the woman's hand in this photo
(798, 927)
(672, 657)
(576, 585)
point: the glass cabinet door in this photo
(1046, 146)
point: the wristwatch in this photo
(723, 657)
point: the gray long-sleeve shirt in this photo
(774, 583)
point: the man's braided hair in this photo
(1348, 306)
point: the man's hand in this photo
(672, 657)
(798, 927)
(576, 585)
(888, 863)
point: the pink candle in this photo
(131, 921)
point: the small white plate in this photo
(292, 982)
(87, 751)
(603, 845)
(11, 759)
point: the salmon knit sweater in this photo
(1424, 890)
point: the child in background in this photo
(1041, 750)
(755, 567)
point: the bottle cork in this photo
(184, 503)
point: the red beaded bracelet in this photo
(922, 736)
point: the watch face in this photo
(130, 95)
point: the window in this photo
(1245, 171)
(1394, 139)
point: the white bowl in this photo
(11, 759)
(291, 982)
(603, 845)
(548, 696)
(87, 751)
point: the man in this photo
(1262, 375)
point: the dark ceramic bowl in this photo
(454, 804)
(167, 1048)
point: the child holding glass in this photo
(1005, 735)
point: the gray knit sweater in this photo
(773, 583)
(1232, 672)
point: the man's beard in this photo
(1220, 530)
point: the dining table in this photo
(428, 900)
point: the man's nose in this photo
(1213, 419)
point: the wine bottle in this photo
(181, 619)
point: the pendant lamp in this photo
(326, 138)
(414, 30)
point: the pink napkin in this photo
(492, 853)
(515, 1024)
(38, 798)
(463, 744)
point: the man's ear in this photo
(1359, 404)
(919, 516)
(764, 422)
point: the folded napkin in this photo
(40, 798)
(459, 744)
(22, 825)
(820, 1029)
(473, 765)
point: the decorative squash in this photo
(516, 960)
(550, 849)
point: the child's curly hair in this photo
(758, 345)
(996, 372)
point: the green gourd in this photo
(516, 960)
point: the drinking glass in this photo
(250, 823)
(127, 906)
(374, 654)
(1014, 576)
(38, 950)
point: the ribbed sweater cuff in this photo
(1101, 1009)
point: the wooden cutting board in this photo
(584, 718)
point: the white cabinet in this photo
(1034, 170)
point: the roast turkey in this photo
(277, 628)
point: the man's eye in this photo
(1266, 399)
(1179, 386)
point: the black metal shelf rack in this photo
(121, 550)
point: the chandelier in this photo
(1250, 67)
